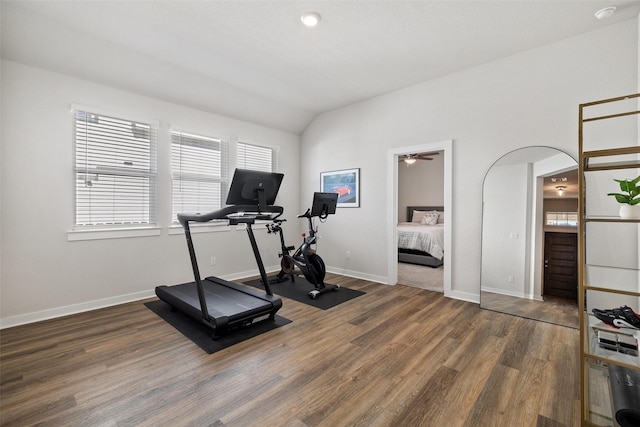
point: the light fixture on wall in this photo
(605, 13)
(310, 19)
(560, 189)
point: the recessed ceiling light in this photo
(605, 13)
(310, 19)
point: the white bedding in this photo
(426, 238)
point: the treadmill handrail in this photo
(248, 214)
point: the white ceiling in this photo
(254, 61)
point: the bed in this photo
(421, 240)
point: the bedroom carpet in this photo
(419, 276)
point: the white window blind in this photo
(257, 158)
(199, 173)
(115, 168)
(567, 219)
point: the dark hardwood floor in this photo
(395, 356)
(559, 311)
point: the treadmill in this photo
(221, 305)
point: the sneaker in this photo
(621, 317)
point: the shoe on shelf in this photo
(621, 317)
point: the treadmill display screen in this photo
(250, 187)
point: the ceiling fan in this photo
(411, 158)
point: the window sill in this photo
(112, 233)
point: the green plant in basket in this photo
(630, 191)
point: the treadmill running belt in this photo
(228, 304)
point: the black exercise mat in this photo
(300, 289)
(201, 335)
(625, 395)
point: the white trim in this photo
(249, 273)
(39, 316)
(464, 296)
(359, 275)
(112, 233)
(507, 292)
(392, 212)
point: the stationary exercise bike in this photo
(305, 259)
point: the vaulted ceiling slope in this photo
(255, 61)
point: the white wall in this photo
(1, 192)
(44, 275)
(527, 99)
(504, 229)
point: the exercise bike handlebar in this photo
(307, 214)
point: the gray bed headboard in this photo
(410, 210)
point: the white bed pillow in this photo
(429, 219)
(417, 216)
(440, 217)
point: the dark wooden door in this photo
(561, 265)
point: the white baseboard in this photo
(250, 273)
(358, 275)
(39, 316)
(504, 292)
(463, 296)
(52, 313)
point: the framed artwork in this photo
(344, 182)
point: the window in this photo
(115, 169)
(257, 158)
(199, 173)
(563, 219)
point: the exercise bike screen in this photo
(324, 203)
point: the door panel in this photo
(561, 265)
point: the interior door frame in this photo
(392, 206)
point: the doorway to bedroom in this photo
(420, 177)
(421, 220)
